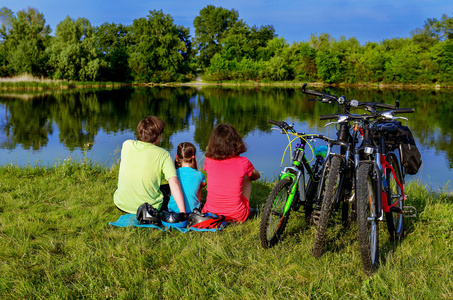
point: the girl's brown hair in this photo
(225, 142)
(150, 128)
(186, 153)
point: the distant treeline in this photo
(154, 49)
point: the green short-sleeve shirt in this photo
(142, 168)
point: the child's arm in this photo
(202, 185)
(255, 175)
(176, 192)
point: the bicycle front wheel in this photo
(395, 219)
(367, 222)
(332, 183)
(273, 219)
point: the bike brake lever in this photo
(341, 119)
(279, 130)
(330, 123)
(390, 116)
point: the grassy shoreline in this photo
(28, 82)
(57, 244)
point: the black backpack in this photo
(411, 157)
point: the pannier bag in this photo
(411, 157)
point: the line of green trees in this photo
(155, 49)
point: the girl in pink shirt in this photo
(229, 175)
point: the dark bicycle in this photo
(340, 170)
(380, 182)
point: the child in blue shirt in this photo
(192, 180)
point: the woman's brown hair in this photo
(225, 142)
(186, 153)
(149, 129)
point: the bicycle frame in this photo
(297, 175)
(345, 141)
(371, 155)
(380, 165)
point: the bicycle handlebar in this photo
(287, 127)
(314, 93)
(282, 124)
(328, 117)
(378, 105)
(326, 98)
(372, 116)
(403, 110)
(274, 122)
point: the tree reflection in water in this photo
(29, 121)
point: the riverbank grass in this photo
(56, 244)
(29, 82)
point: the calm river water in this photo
(51, 127)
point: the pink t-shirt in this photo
(225, 179)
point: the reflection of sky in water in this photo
(265, 150)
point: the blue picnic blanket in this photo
(131, 220)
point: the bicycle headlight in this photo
(354, 103)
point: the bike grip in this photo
(403, 110)
(328, 117)
(383, 105)
(274, 122)
(314, 93)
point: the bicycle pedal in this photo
(315, 217)
(409, 211)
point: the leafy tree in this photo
(446, 61)
(112, 41)
(260, 36)
(242, 41)
(434, 30)
(320, 42)
(73, 54)
(159, 50)
(211, 29)
(220, 69)
(6, 16)
(370, 66)
(301, 58)
(350, 52)
(236, 44)
(26, 41)
(273, 48)
(403, 64)
(276, 69)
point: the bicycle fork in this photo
(298, 179)
(377, 212)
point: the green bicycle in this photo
(292, 190)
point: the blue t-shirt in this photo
(190, 180)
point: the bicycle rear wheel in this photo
(395, 219)
(367, 222)
(332, 177)
(273, 221)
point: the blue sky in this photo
(294, 20)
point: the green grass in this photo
(55, 243)
(28, 82)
